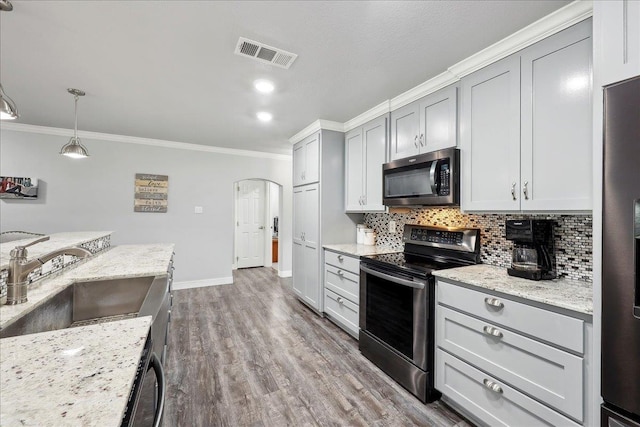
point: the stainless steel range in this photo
(397, 302)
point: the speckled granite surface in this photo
(569, 294)
(79, 376)
(361, 250)
(119, 261)
(56, 241)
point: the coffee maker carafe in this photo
(533, 248)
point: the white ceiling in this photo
(166, 69)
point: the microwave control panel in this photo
(444, 179)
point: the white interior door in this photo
(250, 227)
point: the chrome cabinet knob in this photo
(340, 300)
(525, 190)
(513, 190)
(422, 140)
(415, 141)
(492, 386)
(494, 302)
(490, 330)
(340, 258)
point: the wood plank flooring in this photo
(250, 354)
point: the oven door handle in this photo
(404, 282)
(156, 365)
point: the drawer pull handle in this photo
(339, 272)
(340, 258)
(340, 300)
(492, 386)
(490, 330)
(494, 302)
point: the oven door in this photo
(394, 310)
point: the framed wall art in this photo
(151, 194)
(13, 187)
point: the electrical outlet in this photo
(392, 226)
(198, 209)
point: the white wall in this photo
(96, 193)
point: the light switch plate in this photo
(392, 226)
(198, 209)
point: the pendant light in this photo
(8, 109)
(74, 147)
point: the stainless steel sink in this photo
(93, 302)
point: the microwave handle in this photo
(432, 177)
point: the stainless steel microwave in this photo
(430, 179)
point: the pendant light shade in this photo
(74, 147)
(8, 109)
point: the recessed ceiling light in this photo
(263, 116)
(263, 86)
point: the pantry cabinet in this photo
(425, 125)
(526, 128)
(618, 25)
(306, 160)
(318, 215)
(365, 149)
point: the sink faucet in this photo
(19, 268)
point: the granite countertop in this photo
(118, 262)
(77, 376)
(56, 241)
(564, 293)
(361, 250)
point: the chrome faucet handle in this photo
(21, 251)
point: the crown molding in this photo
(46, 130)
(315, 127)
(373, 113)
(423, 89)
(562, 18)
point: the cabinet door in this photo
(490, 137)
(556, 140)
(312, 280)
(405, 123)
(438, 120)
(298, 247)
(299, 163)
(354, 155)
(617, 29)
(312, 158)
(375, 146)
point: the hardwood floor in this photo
(250, 354)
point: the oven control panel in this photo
(437, 236)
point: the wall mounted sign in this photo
(12, 187)
(151, 193)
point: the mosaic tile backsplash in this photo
(573, 235)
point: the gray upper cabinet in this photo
(556, 140)
(525, 128)
(306, 158)
(365, 149)
(490, 137)
(618, 25)
(427, 124)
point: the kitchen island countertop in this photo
(78, 376)
(564, 293)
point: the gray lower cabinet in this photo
(342, 290)
(504, 362)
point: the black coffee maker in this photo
(533, 248)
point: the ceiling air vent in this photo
(264, 53)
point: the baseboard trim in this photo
(285, 273)
(203, 283)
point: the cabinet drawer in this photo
(342, 282)
(546, 373)
(469, 388)
(342, 310)
(557, 329)
(345, 262)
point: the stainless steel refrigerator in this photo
(621, 256)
